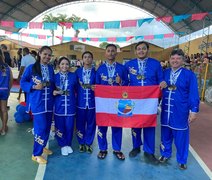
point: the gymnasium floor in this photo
(16, 148)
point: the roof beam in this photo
(17, 8)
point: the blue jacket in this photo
(65, 105)
(176, 104)
(38, 101)
(153, 72)
(85, 96)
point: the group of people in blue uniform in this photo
(69, 96)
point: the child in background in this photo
(65, 105)
(85, 123)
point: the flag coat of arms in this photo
(127, 106)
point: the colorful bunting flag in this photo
(7, 23)
(198, 16)
(128, 23)
(21, 24)
(96, 25)
(50, 26)
(179, 18)
(80, 25)
(141, 21)
(112, 25)
(35, 25)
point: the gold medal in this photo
(86, 86)
(46, 84)
(65, 93)
(172, 87)
(110, 81)
(138, 77)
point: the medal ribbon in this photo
(86, 74)
(142, 66)
(111, 69)
(173, 76)
(63, 81)
(45, 72)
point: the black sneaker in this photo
(134, 152)
(88, 149)
(182, 166)
(82, 148)
(151, 158)
(163, 159)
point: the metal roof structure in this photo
(26, 10)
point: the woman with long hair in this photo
(65, 105)
(37, 81)
(6, 80)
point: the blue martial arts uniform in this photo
(65, 107)
(106, 75)
(4, 81)
(86, 121)
(144, 73)
(40, 102)
(177, 102)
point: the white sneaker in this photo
(64, 151)
(69, 149)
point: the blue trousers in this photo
(86, 126)
(148, 139)
(116, 138)
(181, 140)
(42, 125)
(64, 126)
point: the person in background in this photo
(144, 71)
(111, 73)
(7, 57)
(180, 104)
(19, 57)
(14, 62)
(38, 81)
(85, 122)
(26, 60)
(65, 105)
(34, 54)
(6, 80)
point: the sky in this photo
(98, 12)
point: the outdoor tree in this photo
(50, 19)
(75, 18)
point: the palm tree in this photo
(63, 18)
(75, 18)
(50, 19)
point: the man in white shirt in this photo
(26, 60)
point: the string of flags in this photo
(102, 25)
(97, 39)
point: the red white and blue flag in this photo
(127, 106)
